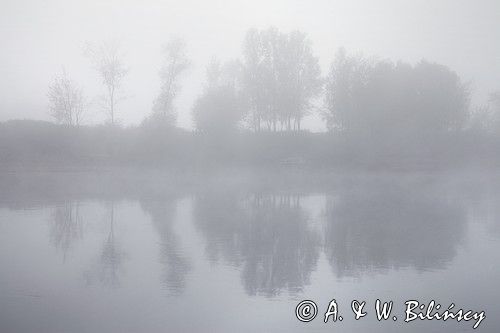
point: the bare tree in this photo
(175, 63)
(107, 60)
(66, 100)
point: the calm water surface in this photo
(122, 252)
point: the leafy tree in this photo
(348, 74)
(280, 77)
(220, 108)
(382, 98)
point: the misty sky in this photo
(39, 37)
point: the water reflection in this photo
(279, 247)
(267, 235)
(66, 226)
(243, 242)
(112, 256)
(175, 264)
(371, 224)
(382, 224)
(109, 266)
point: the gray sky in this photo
(39, 37)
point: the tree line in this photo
(277, 81)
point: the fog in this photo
(206, 166)
(135, 250)
(39, 38)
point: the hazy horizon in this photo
(41, 38)
(262, 161)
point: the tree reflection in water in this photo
(175, 265)
(109, 266)
(384, 224)
(267, 235)
(66, 226)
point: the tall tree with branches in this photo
(281, 76)
(107, 60)
(175, 64)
